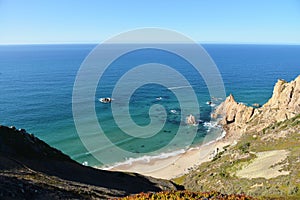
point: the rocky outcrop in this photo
(263, 155)
(285, 101)
(191, 120)
(233, 112)
(284, 104)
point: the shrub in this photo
(245, 147)
(185, 195)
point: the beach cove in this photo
(175, 166)
(43, 105)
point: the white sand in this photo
(175, 166)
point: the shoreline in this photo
(177, 165)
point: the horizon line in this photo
(198, 42)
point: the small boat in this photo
(105, 100)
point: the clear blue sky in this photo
(92, 21)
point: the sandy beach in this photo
(175, 166)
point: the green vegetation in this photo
(187, 195)
(245, 147)
(219, 173)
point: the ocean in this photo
(36, 84)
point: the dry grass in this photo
(265, 165)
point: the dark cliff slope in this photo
(31, 169)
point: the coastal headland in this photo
(236, 119)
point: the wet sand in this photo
(175, 166)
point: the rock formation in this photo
(284, 104)
(233, 112)
(285, 101)
(191, 120)
(262, 158)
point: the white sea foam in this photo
(211, 103)
(210, 125)
(85, 163)
(215, 140)
(221, 136)
(146, 159)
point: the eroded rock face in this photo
(191, 120)
(284, 104)
(285, 101)
(233, 112)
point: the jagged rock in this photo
(233, 111)
(191, 120)
(285, 101)
(284, 104)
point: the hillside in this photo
(31, 169)
(264, 161)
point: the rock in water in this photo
(191, 120)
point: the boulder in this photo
(191, 120)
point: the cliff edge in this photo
(284, 104)
(262, 159)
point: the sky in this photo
(93, 21)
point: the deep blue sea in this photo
(36, 84)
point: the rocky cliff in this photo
(284, 104)
(262, 158)
(31, 169)
(233, 112)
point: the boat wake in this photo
(179, 87)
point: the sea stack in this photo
(191, 120)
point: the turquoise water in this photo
(36, 83)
